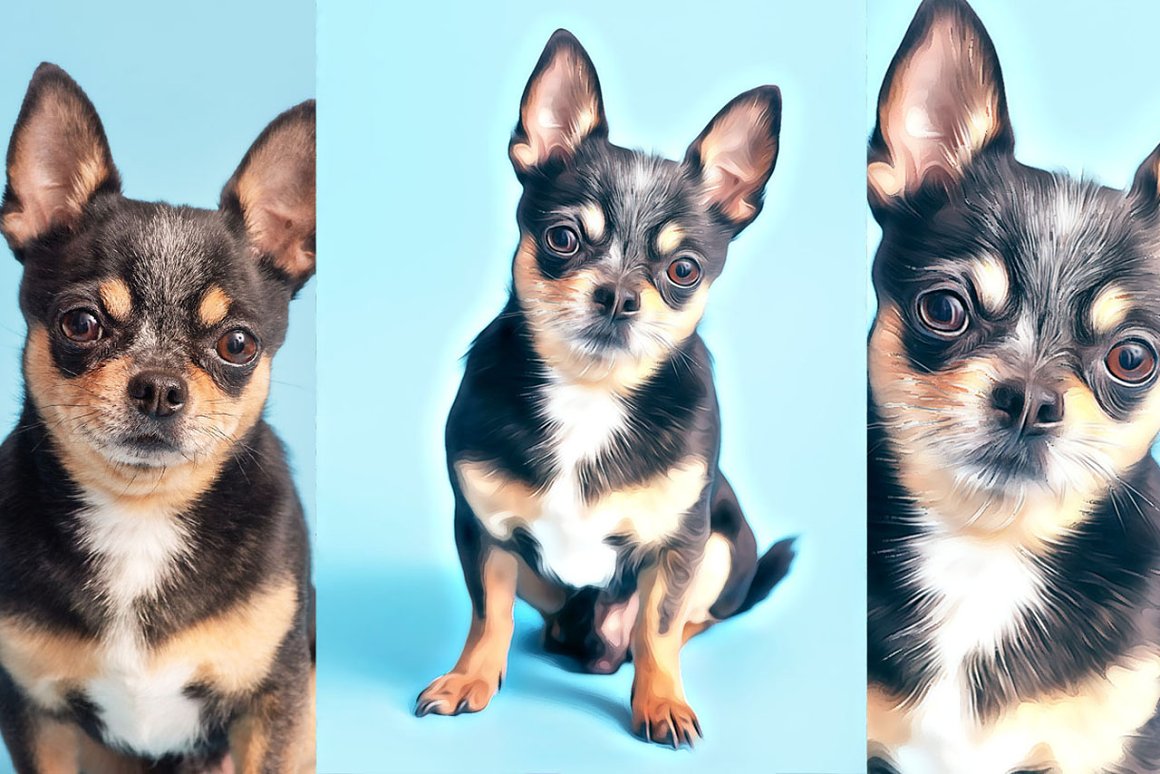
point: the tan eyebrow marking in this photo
(991, 282)
(116, 298)
(669, 237)
(215, 305)
(1110, 308)
(592, 218)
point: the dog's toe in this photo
(456, 694)
(670, 722)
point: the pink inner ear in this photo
(275, 189)
(943, 106)
(562, 108)
(282, 233)
(737, 155)
(59, 162)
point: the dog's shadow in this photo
(401, 628)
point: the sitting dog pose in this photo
(1013, 519)
(583, 444)
(156, 610)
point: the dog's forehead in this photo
(638, 191)
(169, 255)
(1055, 242)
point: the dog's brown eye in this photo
(1131, 362)
(81, 326)
(684, 271)
(237, 347)
(943, 311)
(562, 240)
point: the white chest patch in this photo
(142, 704)
(572, 538)
(982, 588)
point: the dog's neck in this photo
(161, 490)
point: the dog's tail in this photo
(771, 568)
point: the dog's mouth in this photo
(1003, 462)
(150, 450)
(607, 336)
(150, 443)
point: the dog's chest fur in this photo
(977, 603)
(581, 526)
(975, 593)
(141, 701)
(572, 536)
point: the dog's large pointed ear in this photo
(561, 107)
(1146, 186)
(58, 159)
(735, 155)
(272, 195)
(941, 104)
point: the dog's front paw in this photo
(664, 720)
(455, 693)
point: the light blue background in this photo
(182, 89)
(1081, 81)
(417, 203)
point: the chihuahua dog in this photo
(1013, 519)
(156, 609)
(582, 447)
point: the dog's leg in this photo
(51, 748)
(659, 710)
(491, 575)
(95, 758)
(276, 735)
(36, 744)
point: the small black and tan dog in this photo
(1013, 518)
(583, 444)
(156, 610)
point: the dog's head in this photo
(1014, 353)
(150, 327)
(618, 248)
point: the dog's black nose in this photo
(158, 394)
(616, 302)
(1032, 408)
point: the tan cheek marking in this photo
(232, 417)
(991, 282)
(117, 299)
(46, 664)
(899, 393)
(680, 323)
(670, 237)
(1126, 443)
(592, 217)
(1110, 308)
(69, 404)
(500, 503)
(214, 307)
(1090, 729)
(234, 649)
(653, 511)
